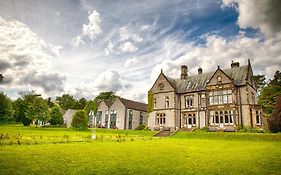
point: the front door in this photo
(189, 124)
(221, 122)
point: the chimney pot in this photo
(234, 64)
(200, 70)
(184, 72)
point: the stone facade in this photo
(120, 114)
(220, 100)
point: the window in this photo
(189, 101)
(154, 103)
(113, 119)
(221, 117)
(167, 102)
(219, 79)
(258, 117)
(202, 100)
(130, 122)
(220, 97)
(106, 119)
(141, 118)
(189, 119)
(160, 119)
(161, 87)
(99, 118)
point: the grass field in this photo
(66, 151)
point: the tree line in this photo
(32, 107)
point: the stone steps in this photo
(163, 133)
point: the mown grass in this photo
(183, 153)
(17, 134)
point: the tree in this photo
(6, 108)
(19, 108)
(150, 105)
(110, 95)
(274, 122)
(56, 116)
(38, 110)
(27, 97)
(91, 106)
(82, 103)
(80, 120)
(66, 101)
(270, 92)
(50, 103)
(259, 81)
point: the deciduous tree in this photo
(275, 119)
(38, 110)
(6, 109)
(80, 120)
(110, 95)
(66, 101)
(270, 92)
(56, 116)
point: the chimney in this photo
(234, 64)
(200, 70)
(183, 72)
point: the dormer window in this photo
(219, 79)
(161, 87)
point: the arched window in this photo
(161, 87)
(219, 79)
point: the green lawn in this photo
(136, 152)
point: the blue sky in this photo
(84, 47)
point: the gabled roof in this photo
(167, 78)
(198, 82)
(133, 104)
(108, 103)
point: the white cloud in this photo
(77, 41)
(93, 28)
(131, 62)
(265, 56)
(108, 81)
(258, 14)
(89, 31)
(28, 59)
(126, 35)
(128, 47)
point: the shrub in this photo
(26, 121)
(79, 120)
(56, 116)
(141, 127)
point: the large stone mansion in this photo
(220, 100)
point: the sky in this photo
(83, 47)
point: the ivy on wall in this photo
(150, 105)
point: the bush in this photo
(79, 120)
(26, 121)
(251, 129)
(141, 127)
